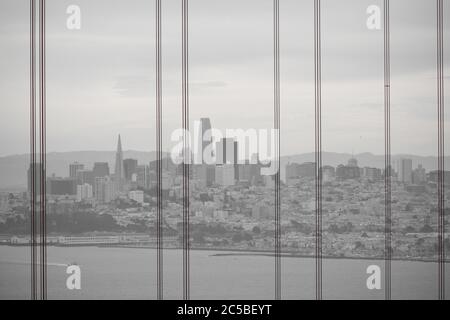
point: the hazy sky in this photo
(100, 79)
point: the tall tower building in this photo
(85, 176)
(101, 169)
(73, 169)
(405, 170)
(227, 153)
(119, 171)
(129, 167)
(203, 139)
(143, 176)
(104, 189)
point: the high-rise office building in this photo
(85, 176)
(73, 169)
(105, 189)
(84, 192)
(204, 139)
(101, 169)
(118, 171)
(61, 186)
(143, 176)
(405, 170)
(227, 153)
(129, 168)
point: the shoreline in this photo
(269, 253)
(242, 252)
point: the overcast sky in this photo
(100, 79)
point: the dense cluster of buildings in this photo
(129, 177)
(402, 171)
(235, 195)
(97, 184)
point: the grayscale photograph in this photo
(224, 150)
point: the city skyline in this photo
(227, 170)
(15, 180)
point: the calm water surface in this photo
(126, 273)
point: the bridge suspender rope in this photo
(159, 216)
(318, 145)
(276, 17)
(387, 153)
(43, 151)
(37, 172)
(186, 149)
(34, 276)
(441, 149)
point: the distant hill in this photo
(13, 169)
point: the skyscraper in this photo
(405, 170)
(61, 186)
(101, 169)
(143, 176)
(227, 153)
(119, 172)
(129, 167)
(104, 189)
(73, 169)
(204, 139)
(85, 176)
(84, 191)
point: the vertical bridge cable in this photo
(32, 171)
(42, 125)
(186, 149)
(441, 167)
(318, 146)
(159, 217)
(387, 154)
(277, 149)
